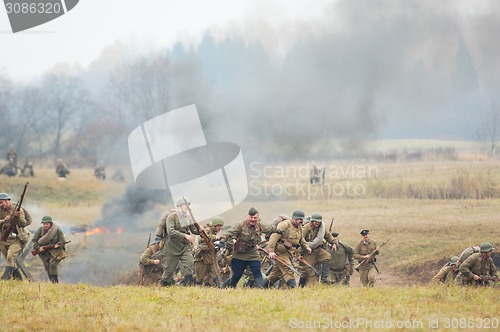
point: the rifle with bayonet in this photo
(281, 261)
(370, 257)
(303, 260)
(35, 252)
(10, 225)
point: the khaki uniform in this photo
(177, 248)
(204, 259)
(152, 272)
(319, 254)
(341, 263)
(446, 275)
(17, 239)
(475, 264)
(285, 246)
(367, 272)
(52, 257)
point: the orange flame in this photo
(119, 230)
(97, 230)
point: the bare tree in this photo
(489, 132)
(67, 101)
(5, 87)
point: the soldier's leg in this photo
(324, 258)
(238, 266)
(12, 252)
(275, 275)
(257, 273)
(53, 270)
(169, 264)
(200, 270)
(363, 276)
(372, 276)
(187, 262)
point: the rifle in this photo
(331, 225)
(9, 226)
(282, 262)
(141, 269)
(489, 278)
(35, 252)
(302, 259)
(371, 256)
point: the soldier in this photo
(151, 264)
(15, 241)
(118, 176)
(341, 263)
(283, 245)
(362, 253)
(204, 258)
(61, 169)
(315, 234)
(247, 234)
(178, 241)
(100, 171)
(50, 235)
(27, 170)
(479, 265)
(447, 273)
(12, 156)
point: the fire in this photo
(119, 230)
(98, 230)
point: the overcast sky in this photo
(79, 36)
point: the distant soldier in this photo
(61, 169)
(448, 272)
(100, 171)
(283, 244)
(118, 176)
(27, 170)
(16, 239)
(247, 234)
(50, 235)
(151, 264)
(204, 258)
(341, 263)
(478, 266)
(12, 156)
(362, 252)
(315, 235)
(179, 238)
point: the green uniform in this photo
(17, 238)
(51, 257)
(315, 239)
(285, 246)
(250, 236)
(446, 275)
(204, 259)
(367, 271)
(177, 248)
(475, 264)
(152, 272)
(341, 263)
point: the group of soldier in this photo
(293, 251)
(48, 242)
(474, 266)
(12, 168)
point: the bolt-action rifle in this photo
(10, 225)
(35, 252)
(364, 261)
(303, 260)
(281, 261)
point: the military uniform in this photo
(17, 238)
(62, 170)
(152, 272)
(367, 271)
(315, 237)
(244, 249)
(51, 257)
(284, 246)
(446, 275)
(341, 263)
(476, 264)
(177, 248)
(204, 259)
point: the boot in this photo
(165, 283)
(188, 280)
(9, 270)
(302, 281)
(325, 269)
(17, 274)
(53, 278)
(291, 283)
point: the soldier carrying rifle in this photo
(365, 252)
(479, 268)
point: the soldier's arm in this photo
(146, 257)
(268, 229)
(60, 238)
(232, 233)
(440, 276)
(21, 219)
(357, 255)
(466, 266)
(35, 239)
(329, 237)
(493, 269)
(171, 231)
(275, 237)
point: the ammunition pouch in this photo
(241, 246)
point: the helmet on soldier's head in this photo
(486, 247)
(47, 219)
(316, 216)
(454, 260)
(217, 221)
(182, 200)
(298, 214)
(4, 196)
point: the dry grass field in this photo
(413, 203)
